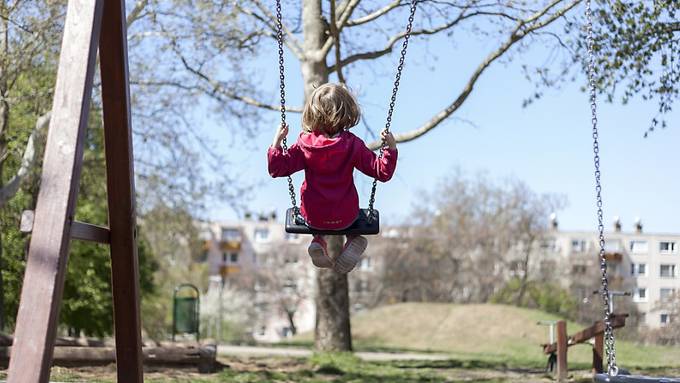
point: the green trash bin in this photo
(185, 312)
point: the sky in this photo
(547, 145)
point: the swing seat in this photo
(361, 226)
(605, 378)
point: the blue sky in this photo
(547, 145)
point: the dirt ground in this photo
(235, 369)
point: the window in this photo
(366, 264)
(668, 247)
(263, 330)
(639, 269)
(292, 237)
(231, 234)
(361, 286)
(290, 284)
(612, 246)
(578, 245)
(642, 319)
(261, 235)
(640, 294)
(667, 271)
(666, 293)
(549, 245)
(665, 318)
(229, 257)
(639, 247)
(578, 269)
(642, 269)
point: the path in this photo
(229, 350)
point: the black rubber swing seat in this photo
(604, 378)
(365, 224)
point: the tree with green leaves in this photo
(636, 54)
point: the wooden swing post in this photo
(89, 24)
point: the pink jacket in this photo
(328, 197)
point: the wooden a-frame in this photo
(89, 24)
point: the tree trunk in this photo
(332, 331)
(525, 270)
(4, 125)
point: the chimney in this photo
(638, 225)
(553, 221)
(617, 224)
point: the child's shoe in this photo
(351, 255)
(319, 253)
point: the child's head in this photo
(330, 109)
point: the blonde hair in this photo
(330, 109)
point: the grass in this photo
(486, 344)
(496, 334)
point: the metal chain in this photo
(393, 99)
(282, 88)
(609, 331)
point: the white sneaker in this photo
(351, 255)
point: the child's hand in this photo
(281, 133)
(388, 138)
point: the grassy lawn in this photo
(492, 333)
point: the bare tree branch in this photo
(136, 12)
(373, 15)
(217, 91)
(519, 32)
(335, 34)
(396, 38)
(346, 14)
(270, 21)
(28, 160)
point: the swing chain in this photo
(282, 88)
(606, 297)
(393, 99)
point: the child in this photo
(328, 153)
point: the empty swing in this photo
(613, 375)
(368, 220)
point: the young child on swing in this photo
(328, 153)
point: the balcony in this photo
(230, 245)
(613, 256)
(226, 270)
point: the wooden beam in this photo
(79, 230)
(562, 351)
(48, 251)
(121, 191)
(89, 232)
(598, 353)
(618, 321)
(204, 358)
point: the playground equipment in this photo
(368, 221)
(558, 348)
(612, 374)
(90, 24)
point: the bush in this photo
(545, 296)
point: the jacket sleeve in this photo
(282, 164)
(370, 164)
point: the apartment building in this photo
(642, 264)
(256, 268)
(262, 275)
